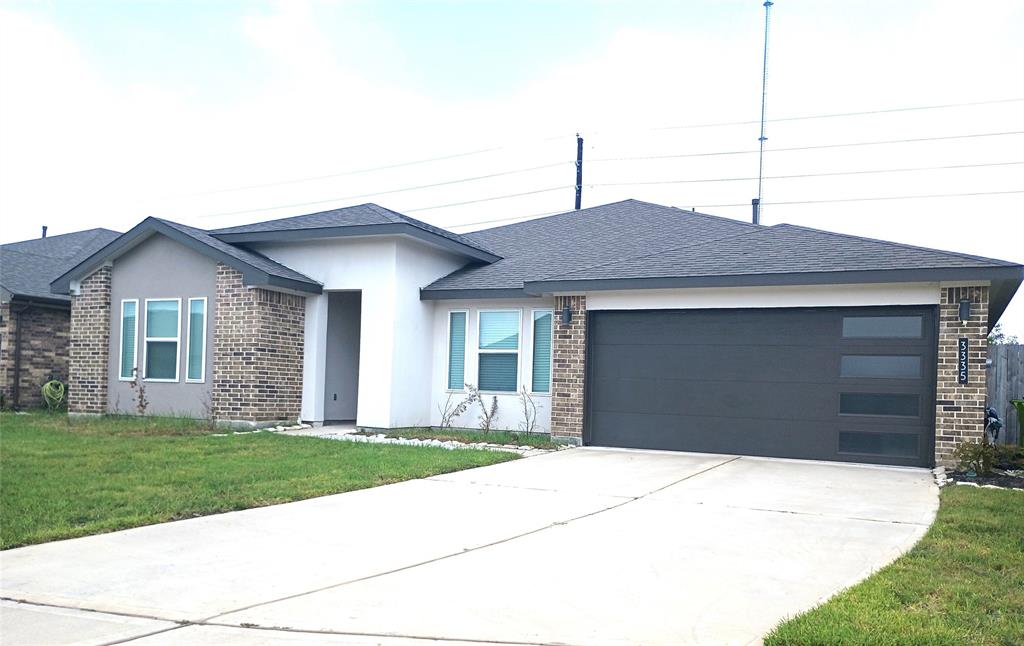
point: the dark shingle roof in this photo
(780, 249)
(362, 215)
(562, 243)
(27, 267)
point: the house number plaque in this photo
(961, 361)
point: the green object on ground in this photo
(1019, 405)
(64, 477)
(963, 583)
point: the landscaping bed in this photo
(1006, 469)
(963, 583)
(63, 478)
(471, 436)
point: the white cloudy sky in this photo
(205, 113)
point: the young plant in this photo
(487, 414)
(975, 455)
(451, 411)
(529, 423)
(139, 388)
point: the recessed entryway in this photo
(341, 381)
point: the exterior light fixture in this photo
(965, 310)
(566, 315)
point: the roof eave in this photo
(394, 228)
(1004, 273)
(150, 226)
(476, 294)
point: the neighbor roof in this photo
(27, 267)
(360, 220)
(256, 268)
(561, 243)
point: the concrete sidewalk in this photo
(589, 546)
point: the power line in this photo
(872, 199)
(482, 151)
(817, 147)
(488, 199)
(831, 174)
(704, 206)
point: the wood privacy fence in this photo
(1006, 382)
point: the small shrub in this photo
(1009, 457)
(451, 411)
(975, 455)
(53, 395)
(529, 423)
(139, 388)
(487, 415)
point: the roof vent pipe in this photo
(44, 230)
(756, 205)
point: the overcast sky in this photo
(219, 113)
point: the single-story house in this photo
(629, 324)
(35, 323)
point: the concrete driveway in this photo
(581, 547)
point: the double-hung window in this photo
(195, 369)
(163, 333)
(542, 329)
(456, 350)
(498, 351)
(129, 339)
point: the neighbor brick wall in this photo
(258, 346)
(569, 370)
(90, 344)
(960, 408)
(44, 350)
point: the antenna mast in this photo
(764, 91)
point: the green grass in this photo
(536, 440)
(962, 584)
(62, 478)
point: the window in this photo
(456, 350)
(880, 367)
(195, 369)
(894, 444)
(542, 351)
(882, 327)
(498, 354)
(163, 331)
(879, 404)
(129, 339)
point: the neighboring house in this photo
(628, 324)
(34, 323)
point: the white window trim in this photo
(120, 349)
(448, 350)
(177, 339)
(188, 342)
(517, 351)
(533, 345)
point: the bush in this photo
(1009, 457)
(975, 455)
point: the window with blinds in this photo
(195, 370)
(498, 351)
(542, 351)
(456, 350)
(163, 332)
(129, 338)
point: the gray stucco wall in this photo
(341, 384)
(162, 268)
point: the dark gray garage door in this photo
(827, 384)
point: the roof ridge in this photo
(560, 214)
(760, 229)
(900, 245)
(95, 231)
(719, 217)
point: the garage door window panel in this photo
(880, 366)
(498, 350)
(884, 444)
(883, 327)
(881, 404)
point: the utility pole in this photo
(764, 88)
(579, 171)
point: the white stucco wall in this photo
(781, 296)
(510, 413)
(396, 331)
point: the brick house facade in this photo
(569, 374)
(90, 344)
(36, 355)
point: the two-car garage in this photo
(849, 384)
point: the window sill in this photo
(161, 381)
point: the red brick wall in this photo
(258, 351)
(960, 408)
(90, 344)
(568, 375)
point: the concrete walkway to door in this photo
(581, 547)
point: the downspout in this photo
(16, 389)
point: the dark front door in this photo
(854, 384)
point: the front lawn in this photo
(61, 478)
(470, 436)
(962, 584)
